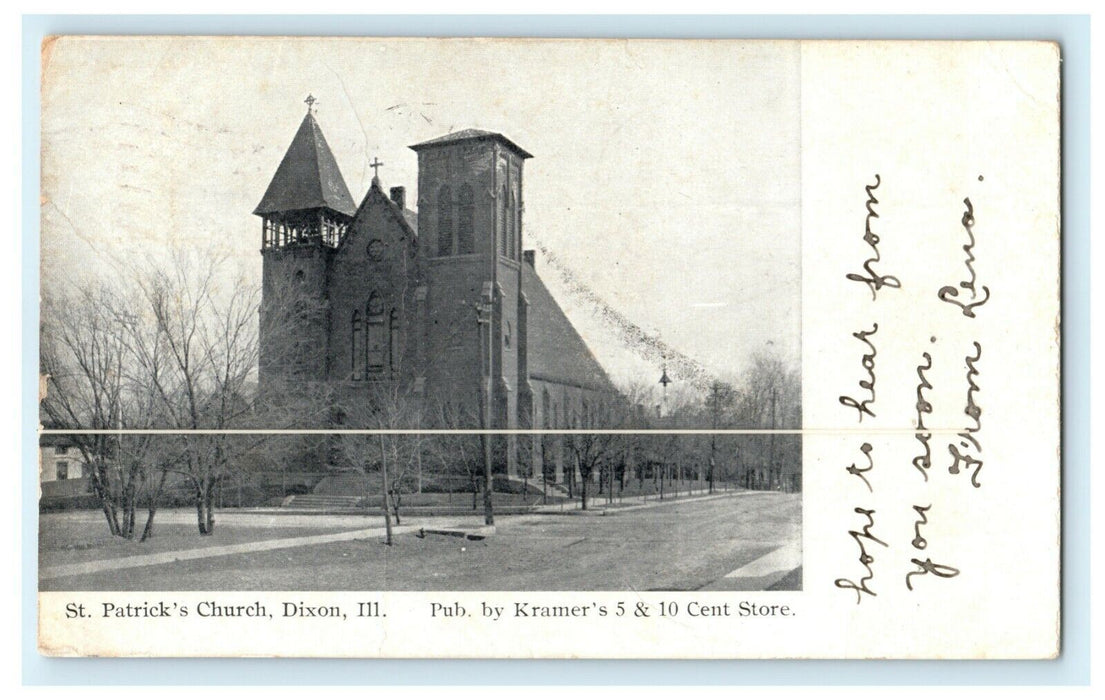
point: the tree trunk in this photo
(396, 498)
(109, 515)
(384, 475)
(211, 509)
(130, 506)
(151, 509)
(99, 486)
(205, 506)
(201, 517)
(583, 489)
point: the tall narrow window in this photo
(358, 347)
(502, 220)
(466, 221)
(375, 332)
(511, 232)
(393, 340)
(444, 221)
(518, 226)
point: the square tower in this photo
(470, 231)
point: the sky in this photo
(665, 180)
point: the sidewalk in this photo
(598, 505)
(93, 567)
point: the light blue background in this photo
(1072, 667)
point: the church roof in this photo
(404, 216)
(555, 351)
(308, 177)
(471, 135)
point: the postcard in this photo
(521, 348)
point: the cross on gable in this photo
(375, 165)
(310, 102)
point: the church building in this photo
(427, 302)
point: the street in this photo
(735, 541)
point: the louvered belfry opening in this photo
(307, 203)
(304, 227)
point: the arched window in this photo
(444, 221)
(586, 418)
(376, 350)
(511, 232)
(502, 220)
(466, 221)
(357, 347)
(545, 408)
(394, 351)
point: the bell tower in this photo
(307, 202)
(305, 213)
(470, 236)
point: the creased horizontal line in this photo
(519, 431)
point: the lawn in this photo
(68, 538)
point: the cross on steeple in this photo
(375, 165)
(310, 103)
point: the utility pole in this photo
(771, 458)
(384, 479)
(713, 436)
(484, 313)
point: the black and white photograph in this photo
(420, 315)
(562, 348)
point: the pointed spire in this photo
(308, 177)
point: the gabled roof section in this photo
(555, 351)
(405, 217)
(471, 135)
(308, 177)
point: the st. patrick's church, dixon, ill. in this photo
(441, 305)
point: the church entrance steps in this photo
(312, 501)
(349, 483)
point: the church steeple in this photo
(307, 200)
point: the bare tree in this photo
(196, 337)
(383, 405)
(458, 453)
(96, 381)
(769, 399)
(719, 404)
(593, 451)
